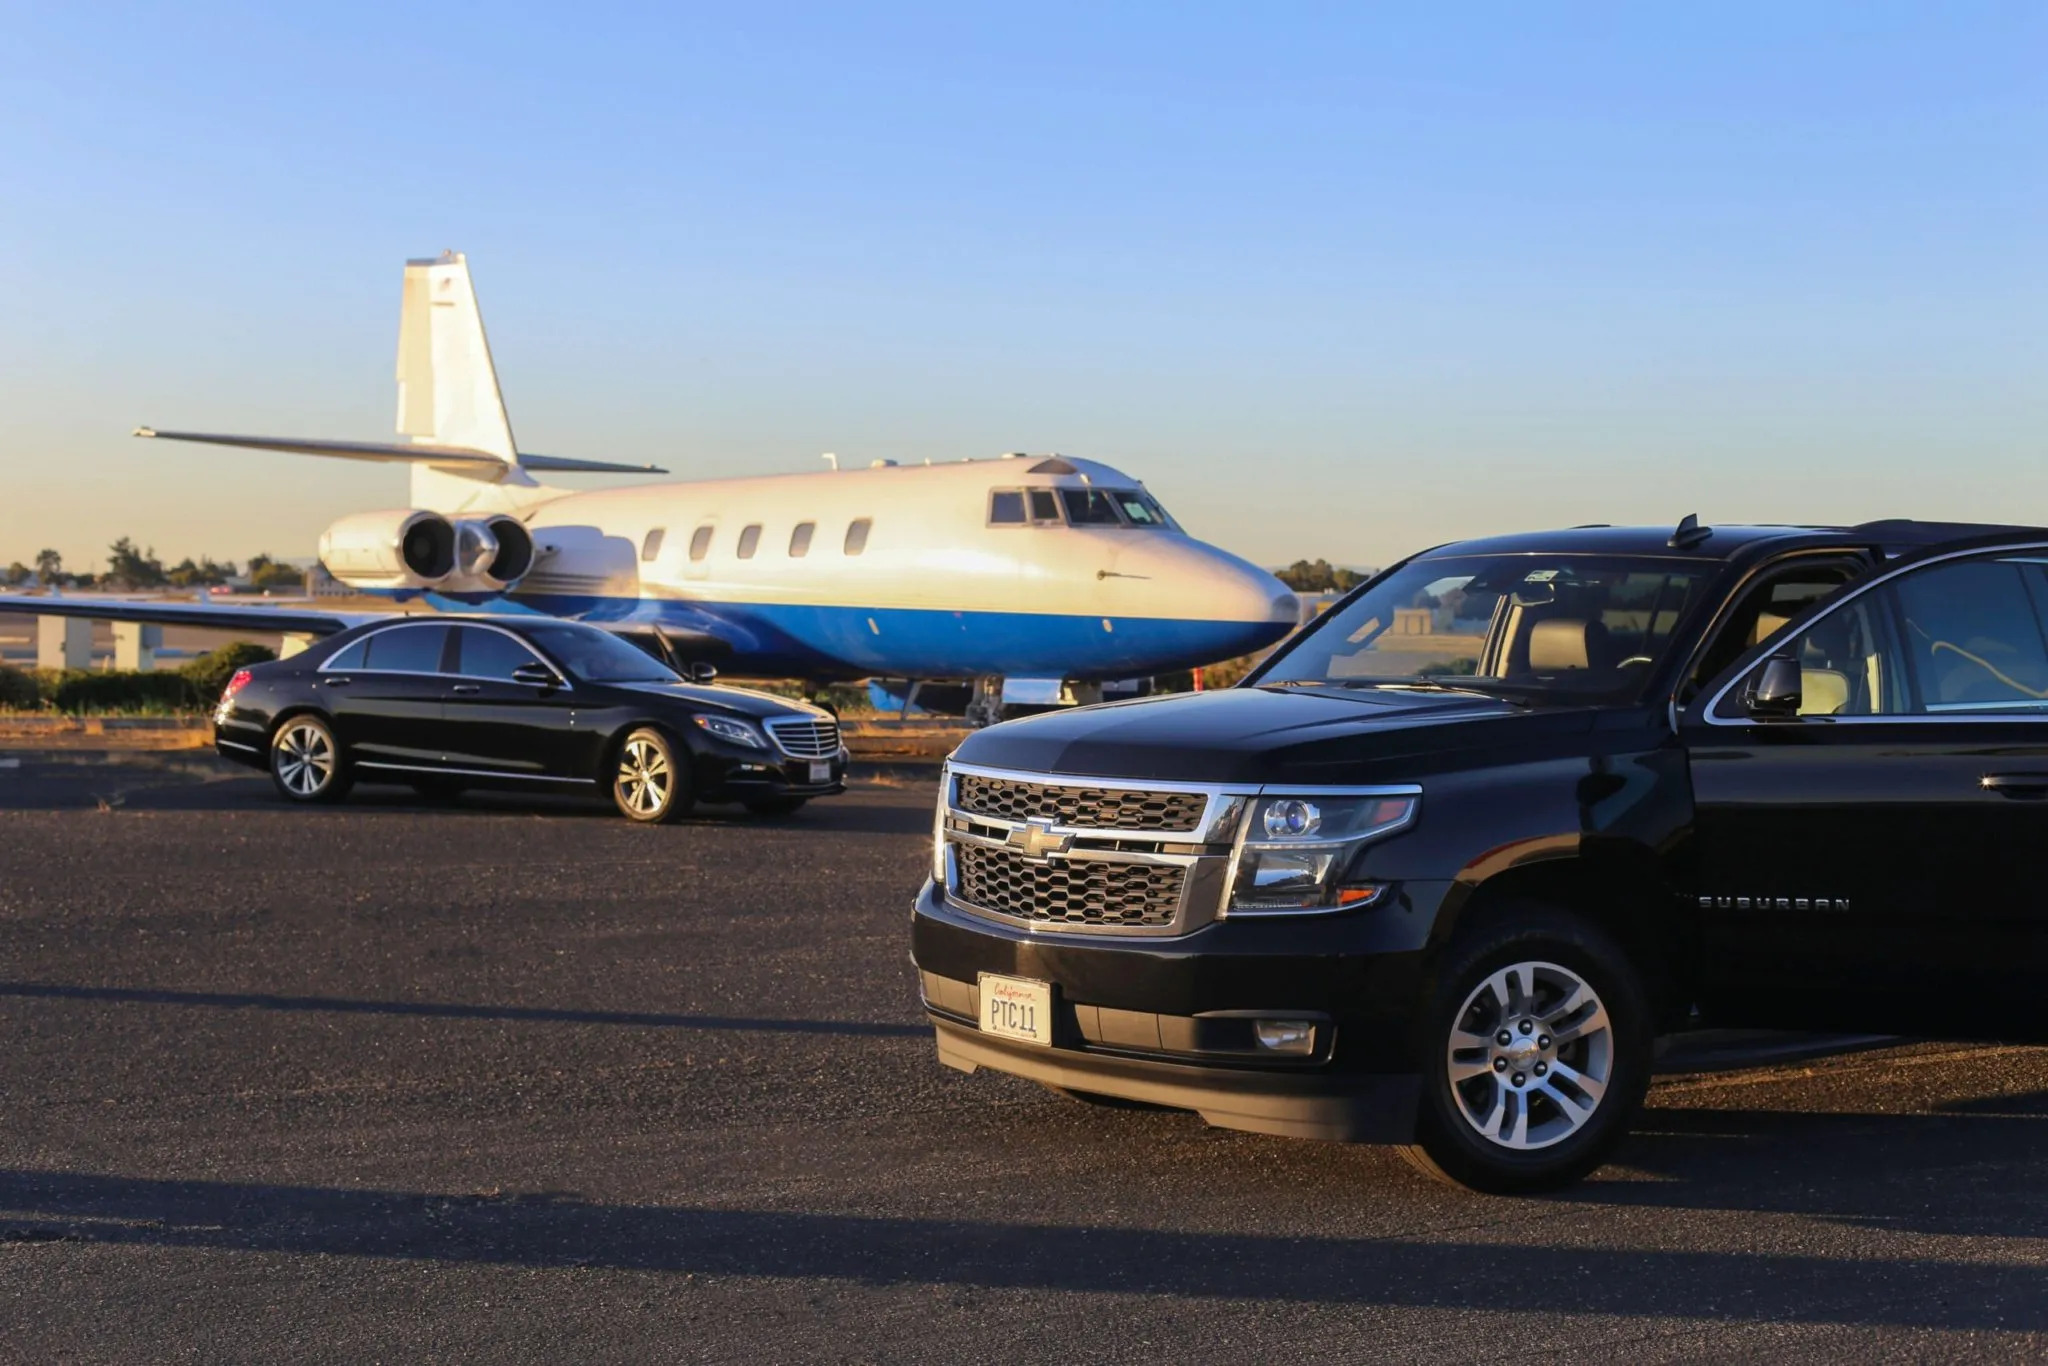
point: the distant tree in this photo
(187, 574)
(128, 567)
(49, 566)
(1319, 576)
(274, 575)
(19, 573)
(259, 563)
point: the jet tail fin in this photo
(447, 387)
(452, 424)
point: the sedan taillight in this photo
(235, 685)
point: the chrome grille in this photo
(1074, 892)
(802, 738)
(1096, 808)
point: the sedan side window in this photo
(1973, 636)
(350, 656)
(408, 649)
(484, 653)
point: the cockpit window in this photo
(1045, 507)
(1090, 507)
(1006, 507)
(1564, 629)
(1140, 508)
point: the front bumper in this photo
(735, 773)
(1167, 1021)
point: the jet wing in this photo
(403, 453)
(292, 620)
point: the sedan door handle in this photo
(465, 688)
(2019, 785)
(337, 682)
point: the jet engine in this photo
(418, 549)
(398, 549)
(490, 555)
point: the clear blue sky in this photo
(1334, 280)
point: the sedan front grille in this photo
(1094, 808)
(803, 738)
(1068, 892)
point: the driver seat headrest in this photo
(1564, 643)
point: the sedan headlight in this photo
(1296, 847)
(733, 732)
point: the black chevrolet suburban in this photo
(1443, 868)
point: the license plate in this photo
(1016, 1008)
(821, 773)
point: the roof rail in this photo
(1690, 533)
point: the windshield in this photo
(594, 656)
(1112, 507)
(1567, 628)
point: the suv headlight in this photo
(1295, 847)
(733, 732)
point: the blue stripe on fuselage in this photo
(781, 639)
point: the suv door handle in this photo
(465, 688)
(2019, 785)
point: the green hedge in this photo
(194, 687)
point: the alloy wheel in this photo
(304, 759)
(645, 780)
(1530, 1056)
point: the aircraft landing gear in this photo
(985, 708)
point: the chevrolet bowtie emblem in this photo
(1038, 841)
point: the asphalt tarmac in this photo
(511, 1082)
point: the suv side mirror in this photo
(699, 672)
(1776, 691)
(539, 675)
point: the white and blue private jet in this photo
(1041, 569)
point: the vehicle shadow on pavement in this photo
(341, 1005)
(1966, 1168)
(556, 1230)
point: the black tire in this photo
(777, 806)
(1547, 1107)
(307, 764)
(650, 778)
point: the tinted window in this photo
(1848, 664)
(1575, 628)
(651, 547)
(1973, 636)
(1090, 507)
(800, 539)
(750, 539)
(484, 653)
(1045, 506)
(596, 656)
(700, 543)
(407, 649)
(857, 537)
(1006, 507)
(349, 656)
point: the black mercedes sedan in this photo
(444, 703)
